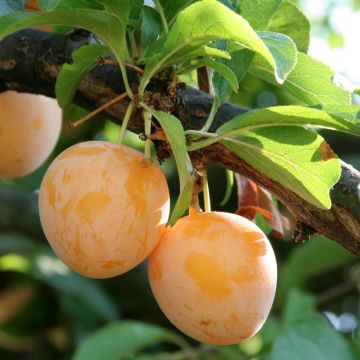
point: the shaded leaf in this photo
(150, 26)
(121, 339)
(311, 338)
(71, 75)
(320, 255)
(8, 6)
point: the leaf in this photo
(119, 8)
(290, 115)
(48, 5)
(8, 6)
(106, 26)
(298, 306)
(208, 20)
(347, 112)
(71, 75)
(297, 158)
(320, 256)
(135, 9)
(239, 64)
(283, 50)
(71, 4)
(173, 7)
(311, 338)
(258, 13)
(221, 69)
(150, 26)
(202, 23)
(121, 339)
(289, 20)
(55, 274)
(175, 135)
(310, 81)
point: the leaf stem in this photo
(206, 192)
(212, 114)
(125, 122)
(147, 124)
(162, 15)
(76, 123)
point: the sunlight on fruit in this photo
(102, 209)
(214, 276)
(30, 126)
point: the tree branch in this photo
(30, 61)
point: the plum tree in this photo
(30, 126)
(102, 209)
(214, 276)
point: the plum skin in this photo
(102, 209)
(30, 127)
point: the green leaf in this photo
(71, 75)
(289, 115)
(8, 6)
(310, 81)
(202, 23)
(297, 158)
(71, 4)
(208, 20)
(320, 256)
(173, 7)
(221, 69)
(311, 338)
(298, 306)
(135, 9)
(346, 112)
(119, 8)
(121, 339)
(283, 50)
(150, 26)
(239, 64)
(175, 135)
(258, 13)
(289, 20)
(105, 25)
(55, 274)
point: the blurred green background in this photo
(49, 312)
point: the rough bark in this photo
(30, 61)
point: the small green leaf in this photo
(346, 112)
(239, 64)
(150, 26)
(173, 7)
(121, 339)
(229, 186)
(175, 135)
(258, 13)
(289, 20)
(71, 75)
(310, 81)
(8, 6)
(135, 9)
(221, 69)
(311, 338)
(283, 50)
(290, 115)
(297, 158)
